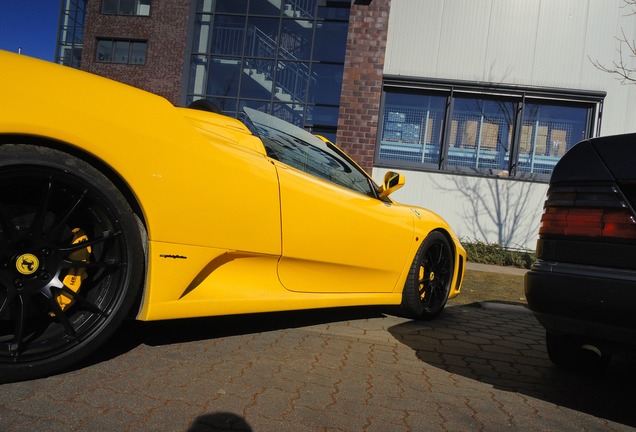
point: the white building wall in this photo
(493, 210)
(534, 43)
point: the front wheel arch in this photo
(52, 203)
(105, 169)
(430, 277)
(89, 158)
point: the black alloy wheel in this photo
(71, 260)
(429, 280)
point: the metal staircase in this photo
(288, 80)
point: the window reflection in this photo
(299, 149)
(326, 83)
(487, 135)
(299, 8)
(262, 37)
(264, 8)
(227, 6)
(322, 115)
(126, 7)
(121, 51)
(295, 39)
(223, 77)
(412, 127)
(228, 35)
(480, 133)
(292, 79)
(328, 36)
(287, 54)
(547, 132)
(257, 78)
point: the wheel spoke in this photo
(15, 348)
(4, 307)
(83, 301)
(61, 316)
(7, 226)
(438, 255)
(62, 223)
(37, 226)
(83, 245)
(433, 293)
(107, 264)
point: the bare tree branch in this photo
(498, 207)
(625, 73)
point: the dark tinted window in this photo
(300, 149)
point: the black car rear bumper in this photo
(586, 301)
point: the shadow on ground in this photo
(503, 345)
(157, 333)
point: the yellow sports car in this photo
(114, 203)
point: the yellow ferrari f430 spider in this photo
(114, 203)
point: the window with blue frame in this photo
(513, 133)
(412, 128)
(547, 132)
(285, 58)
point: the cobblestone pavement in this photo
(476, 367)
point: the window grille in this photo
(512, 134)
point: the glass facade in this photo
(283, 57)
(71, 33)
(521, 136)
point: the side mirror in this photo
(392, 182)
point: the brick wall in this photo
(165, 30)
(362, 80)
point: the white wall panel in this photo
(525, 42)
(510, 52)
(458, 54)
(414, 34)
(561, 36)
(494, 210)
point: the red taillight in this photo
(600, 211)
(565, 221)
(588, 222)
(619, 224)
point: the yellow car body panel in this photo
(229, 230)
(170, 166)
(353, 244)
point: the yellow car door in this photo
(338, 235)
(339, 240)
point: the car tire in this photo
(569, 352)
(71, 260)
(429, 280)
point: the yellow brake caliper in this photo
(421, 282)
(75, 275)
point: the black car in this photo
(583, 287)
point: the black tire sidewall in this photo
(411, 302)
(22, 154)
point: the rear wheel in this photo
(429, 280)
(71, 260)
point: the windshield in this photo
(300, 149)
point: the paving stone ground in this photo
(474, 368)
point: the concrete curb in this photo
(495, 268)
